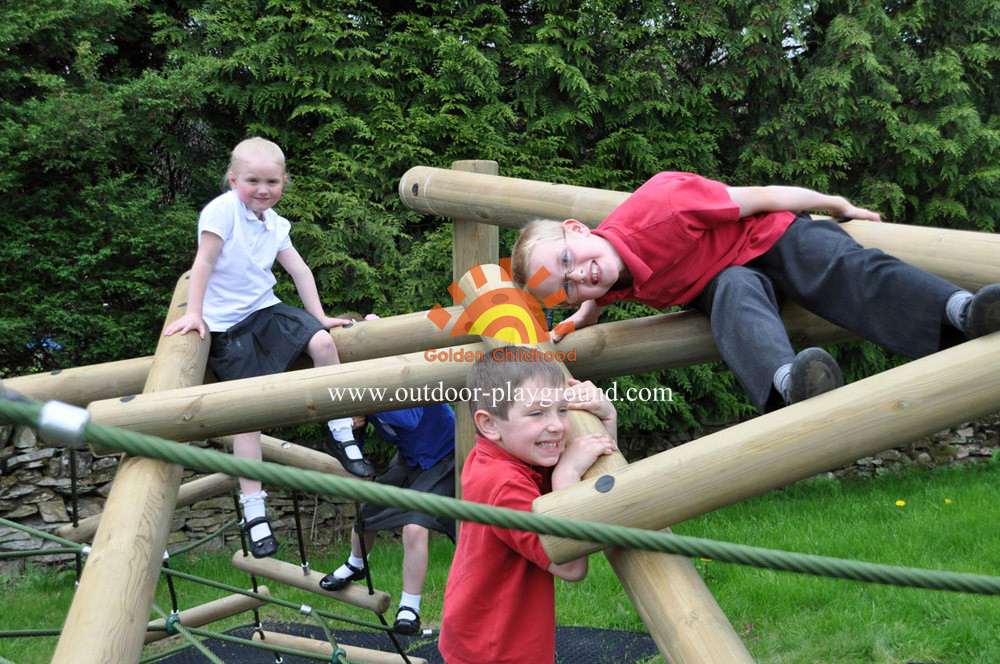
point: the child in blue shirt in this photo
(425, 461)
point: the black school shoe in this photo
(814, 372)
(358, 467)
(265, 547)
(983, 314)
(333, 582)
(406, 626)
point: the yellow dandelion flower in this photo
(900, 503)
(947, 501)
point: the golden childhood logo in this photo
(508, 314)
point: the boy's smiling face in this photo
(584, 264)
(534, 431)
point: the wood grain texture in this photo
(108, 617)
(291, 575)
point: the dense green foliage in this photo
(117, 117)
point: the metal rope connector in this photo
(62, 424)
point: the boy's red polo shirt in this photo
(499, 604)
(677, 231)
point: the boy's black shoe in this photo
(813, 372)
(983, 315)
(360, 467)
(265, 547)
(406, 626)
(333, 582)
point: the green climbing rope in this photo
(36, 552)
(173, 625)
(211, 461)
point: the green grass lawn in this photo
(950, 521)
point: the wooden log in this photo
(265, 402)
(472, 244)
(224, 607)
(825, 432)
(354, 653)
(685, 621)
(289, 574)
(81, 385)
(189, 493)
(107, 620)
(289, 454)
(364, 340)
(967, 258)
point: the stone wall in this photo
(36, 490)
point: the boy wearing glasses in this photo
(736, 253)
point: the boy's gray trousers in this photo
(818, 265)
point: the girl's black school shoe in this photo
(406, 626)
(333, 582)
(357, 467)
(265, 547)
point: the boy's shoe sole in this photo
(984, 312)
(814, 372)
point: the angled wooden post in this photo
(683, 618)
(110, 611)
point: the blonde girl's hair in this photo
(536, 233)
(253, 148)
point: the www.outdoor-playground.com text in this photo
(544, 396)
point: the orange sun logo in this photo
(508, 314)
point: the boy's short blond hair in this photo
(535, 234)
(254, 148)
(489, 378)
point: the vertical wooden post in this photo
(685, 621)
(473, 243)
(107, 620)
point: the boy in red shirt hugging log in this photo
(499, 603)
(736, 253)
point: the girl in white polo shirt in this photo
(253, 334)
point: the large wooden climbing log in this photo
(966, 258)
(822, 433)
(107, 620)
(393, 335)
(603, 351)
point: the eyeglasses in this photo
(568, 264)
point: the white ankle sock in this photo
(781, 377)
(956, 309)
(411, 602)
(344, 571)
(254, 507)
(342, 432)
